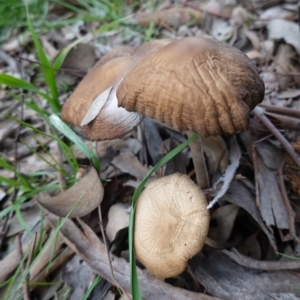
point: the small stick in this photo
(25, 283)
(259, 113)
(107, 252)
(251, 263)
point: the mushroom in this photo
(194, 85)
(110, 121)
(171, 224)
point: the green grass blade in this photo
(46, 66)
(97, 279)
(135, 287)
(70, 134)
(14, 82)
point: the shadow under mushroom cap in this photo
(194, 84)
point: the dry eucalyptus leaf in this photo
(80, 199)
(224, 218)
(242, 197)
(96, 106)
(250, 247)
(268, 193)
(285, 55)
(275, 12)
(173, 17)
(6, 128)
(31, 216)
(226, 279)
(118, 218)
(240, 15)
(80, 58)
(294, 93)
(235, 156)
(286, 30)
(78, 275)
(221, 29)
(216, 152)
(128, 163)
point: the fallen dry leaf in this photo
(216, 153)
(227, 280)
(118, 218)
(173, 17)
(268, 195)
(234, 156)
(281, 29)
(86, 244)
(128, 163)
(223, 219)
(250, 247)
(77, 201)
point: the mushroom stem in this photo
(199, 161)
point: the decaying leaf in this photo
(78, 275)
(242, 197)
(250, 247)
(286, 30)
(223, 219)
(173, 17)
(235, 155)
(226, 279)
(268, 194)
(118, 218)
(216, 153)
(79, 200)
(80, 58)
(128, 163)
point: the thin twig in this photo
(257, 191)
(251, 263)
(107, 252)
(27, 278)
(259, 113)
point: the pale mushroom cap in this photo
(194, 84)
(112, 121)
(171, 224)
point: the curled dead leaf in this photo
(216, 152)
(79, 200)
(118, 218)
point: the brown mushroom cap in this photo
(194, 84)
(121, 51)
(171, 224)
(112, 121)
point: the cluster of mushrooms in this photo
(190, 85)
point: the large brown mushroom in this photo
(171, 224)
(194, 85)
(102, 81)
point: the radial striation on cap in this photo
(171, 224)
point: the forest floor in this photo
(65, 201)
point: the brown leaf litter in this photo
(255, 177)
